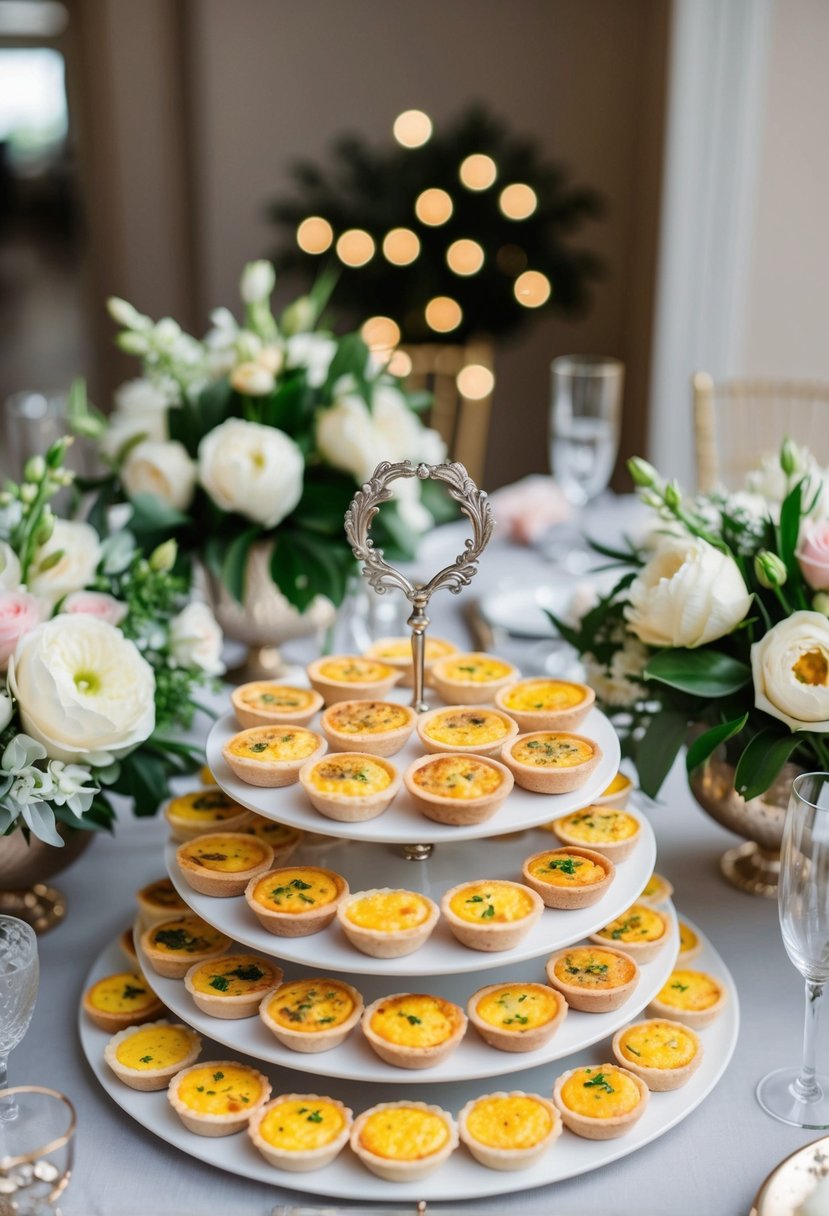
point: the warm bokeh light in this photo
(475, 381)
(532, 289)
(518, 201)
(511, 259)
(355, 247)
(400, 364)
(412, 128)
(314, 235)
(443, 314)
(465, 257)
(433, 207)
(380, 333)
(478, 172)
(401, 246)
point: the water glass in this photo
(585, 423)
(19, 975)
(36, 1150)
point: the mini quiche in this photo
(491, 914)
(665, 1055)
(233, 986)
(264, 703)
(692, 997)
(403, 1141)
(300, 1132)
(641, 932)
(521, 1016)
(283, 840)
(158, 901)
(545, 704)
(173, 946)
(223, 863)
(458, 790)
(385, 923)
(413, 1030)
(471, 679)
(294, 901)
(592, 979)
(551, 762)
(469, 730)
(610, 832)
(348, 677)
(311, 1015)
(380, 728)
(350, 787)
(147, 1057)
(689, 944)
(218, 1099)
(568, 878)
(207, 810)
(206, 776)
(616, 794)
(657, 890)
(272, 756)
(602, 1102)
(126, 941)
(509, 1131)
(120, 1001)
(397, 652)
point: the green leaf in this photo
(326, 497)
(706, 673)
(151, 515)
(567, 632)
(290, 408)
(658, 748)
(235, 562)
(705, 745)
(350, 359)
(392, 535)
(763, 759)
(438, 502)
(304, 565)
(144, 779)
(789, 529)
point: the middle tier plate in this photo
(366, 866)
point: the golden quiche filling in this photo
(549, 749)
(311, 1006)
(601, 1093)
(163, 894)
(366, 717)
(296, 1126)
(563, 869)
(296, 890)
(690, 990)
(350, 776)
(401, 648)
(474, 669)
(688, 939)
(225, 854)
(404, 1133)
(543, 694)
(514, 1121)
(281, 698)
(274, 743)
(388, 911)
(219, 1091)
(355, 671)
(277, 835)
(466, 727)
(638, 924)
(657, 1045)
(462, 777)
(591, 967)
(597, 825)
(494, 903)
(518, 1007)
(208, 806)
(236, 975)
(126, 992)
(154, 1047)
(186, 935)
(415, 1020)
(620, 782)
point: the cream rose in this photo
(348, 439)
(95, 603)
(162, 469)
(20, 613)
(790, 668)
(9, 568)
(83, 689)
(196, 639)
(80, 551)
(252, 380)
(688, 594)
(253, 469)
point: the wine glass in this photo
(800, 1097)
(19, 975)
(36, 1150)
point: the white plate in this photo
(522, 611)
(354, 1060)
(402, 823)
(366, 866)
(460, 1177)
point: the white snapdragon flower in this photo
(314, 352)
(72, 786)
(196, 640)
(9, 568)
(258, 281)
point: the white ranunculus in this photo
(312, 351)
(688, 594)
(196, 639)
(347, 438)
(9, 568)
(83, 690)
(258, 280)
(399, 428)
(162, 469)
(252, 380)
(432, 447)
(790, 668)
(253, 469)
(80, 547)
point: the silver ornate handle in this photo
(358, 520)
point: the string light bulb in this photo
(433, 207)
(478, 172)
(475, 381)
(518, 201)
(380, 333)
(465, 257)
(443, 314)
(412, 128)
(314, 235)
(401, 246)
(400, 364)
(532, 289)
(355, 247)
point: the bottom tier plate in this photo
(346, 1179)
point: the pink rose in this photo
(20, 612)
(96, 603)
(813, 555)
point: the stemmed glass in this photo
(36, 1151)
(800, 1097)
(19, 975)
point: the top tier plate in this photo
(402, 823)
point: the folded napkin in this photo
(529, 507)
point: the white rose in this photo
(9, 568)
(83, 690)
(162, 469)
(688, 594)
(252, 379)
(81, 552)
(348, 439)
(255, 470)
(258, 280)
(790, 668)
(314, 352)
(196, 639)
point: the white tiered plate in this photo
(366, 866)
(346, 1179)
(402, 823)
(355, 1060)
